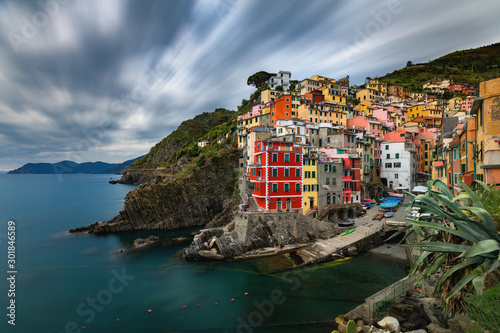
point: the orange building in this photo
(282, 108)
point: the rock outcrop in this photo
(191, 199)
(250, 232)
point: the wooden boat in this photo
(378, 216)
(346, 224)
(396, 194)
(388, 214)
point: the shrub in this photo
(484, 308)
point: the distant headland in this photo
(69, 167)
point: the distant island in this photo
(69, 167)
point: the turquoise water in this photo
(65, 282)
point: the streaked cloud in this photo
(96, 80)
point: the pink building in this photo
(384, 116)
(467, 103)
(371, 124)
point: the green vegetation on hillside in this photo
(184, 140)
(466, 66)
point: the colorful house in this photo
(277, 176)
(486, 112)
(310, 189)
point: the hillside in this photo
(69, 167)
(184, 140)
(466, 66)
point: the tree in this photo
(409, 63)
(279, 88)
(368, 79)
(258, 79)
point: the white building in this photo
(282, 79)
(202, 143)
(399, 164)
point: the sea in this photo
(60, 282)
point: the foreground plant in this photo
(461, 239)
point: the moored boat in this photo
(346, 223)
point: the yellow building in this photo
(486, 112)
(310, 179)
(416, 111)
(269, 95)
(376, 85)
(366, 107)
(455, 104)
(317, 113)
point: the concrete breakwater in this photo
(254, 235)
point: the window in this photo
(275, 172)
(334, 168)
(297, 187)
(297, 172)
(455, 154)
(327, 181)
(275, 187)
(328, 199)
(388, 165)
(396, 176)
(334, 182)
(287, 187)
(275, 157)
(397, 155)
(287, 157)
(314, 174)
(397, 165)
(297, 158)
(326, 167)
(287, 172)
(463, 168)
(388, 156)
(313, 162)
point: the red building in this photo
(276, 175)
(282, 109)
(351, 178)
(314, 96)
(463, 88)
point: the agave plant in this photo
(462, 240)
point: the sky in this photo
(94, 80)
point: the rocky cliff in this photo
(192, 198)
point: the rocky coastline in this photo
(167, 202)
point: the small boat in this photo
(367, 200)
(361, 213)
(396, 194)
(388, 214)
(395, 224)
(378, 216)
(346, 224)
(389, 204)
(347, 232)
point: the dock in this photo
(327, 249)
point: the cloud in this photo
(105, 80)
